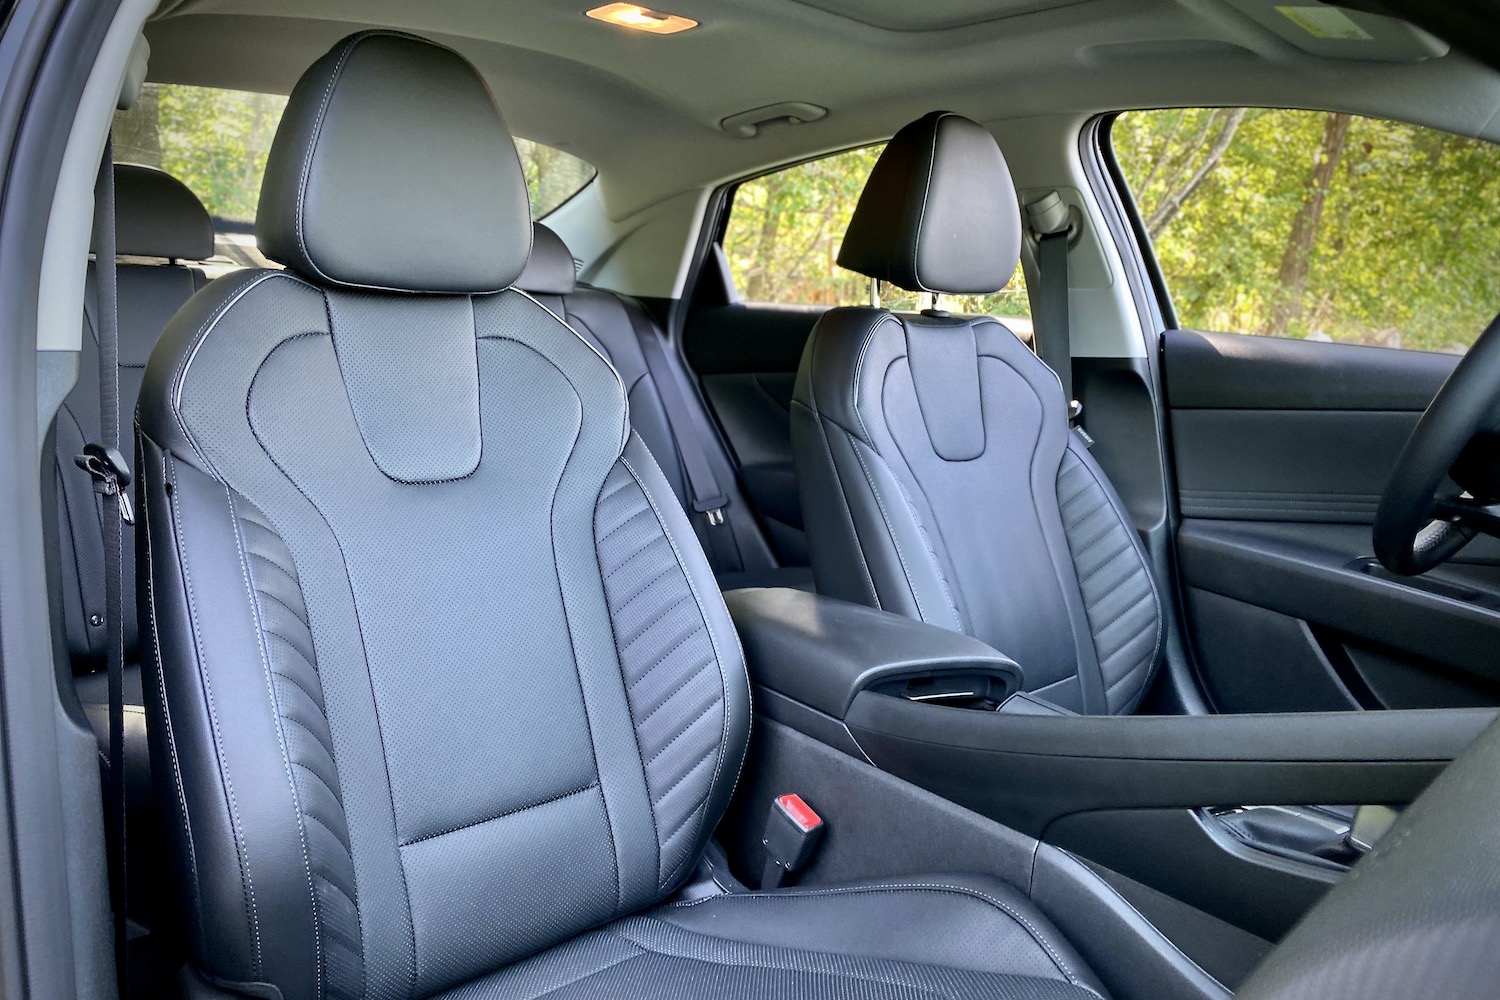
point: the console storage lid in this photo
(821, 652)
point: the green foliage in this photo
(216, 142)
(784, 233)
(552, 176)
(1401, 250)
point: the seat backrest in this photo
(603, 319)
(938, 474)
(443, 678)
(156, 216)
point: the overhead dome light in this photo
(629, 15)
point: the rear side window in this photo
(784, 233)
(552, 176)
(216, 142)
(1318, 225)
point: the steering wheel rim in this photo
(1415, 529)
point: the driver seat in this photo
(444, 699)
(938, 473)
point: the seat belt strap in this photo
(111, 474)
(1054, 343)
(703, 486)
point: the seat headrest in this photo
(939, 212)
(551, 270)
(393, 170)
(157, 216)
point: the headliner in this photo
(645, 109)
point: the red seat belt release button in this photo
(793, 831)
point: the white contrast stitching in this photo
(239, 543)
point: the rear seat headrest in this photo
(157, 216)
(393, 170)
(939, 212)
(551, 270)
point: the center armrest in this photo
(822, 652)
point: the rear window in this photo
(216, 142)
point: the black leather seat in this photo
(445, 700)
(609, 322)
(938, 474)
(159, 224)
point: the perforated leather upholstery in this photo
(429, 708)
(938, 474)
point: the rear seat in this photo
(158, 218)
(605, 319)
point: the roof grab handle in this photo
(747, 124)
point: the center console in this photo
(1158, 799)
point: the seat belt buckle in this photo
(793, 831)
(712, 508)
(110, 473)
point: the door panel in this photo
(1281, 450)
(746, 360)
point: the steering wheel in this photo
(1422, 521)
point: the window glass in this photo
(216, 142)
(784, 233)
(1318, 225)
(552, 176)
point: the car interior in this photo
(762, 498)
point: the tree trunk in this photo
(761, 285)
(1297, 258)
(255, 138)
(1172, 201)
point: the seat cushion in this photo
(932, 937)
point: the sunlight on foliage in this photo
(784, 234)
(216, 142)
(1318, 225)
(552, 176)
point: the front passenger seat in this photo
(444, 695)
(938, 474)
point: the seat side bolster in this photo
(897, 546)
(1118, 590)
(235, 814)
(682, 841)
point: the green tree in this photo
(1311, 224)
(216, 142)
(785, 230)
